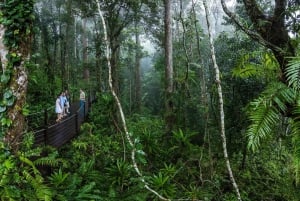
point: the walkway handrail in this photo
(60, 133)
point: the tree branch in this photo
(253, 34)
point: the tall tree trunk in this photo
(86, 72)
(221, 107)
(115, 50)
(137, 73)
(169, 103)
(14, 53)
(184, 84)
(62, 51)
(204, 95)
(99, 76)
(69, 43)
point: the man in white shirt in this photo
(82, 100)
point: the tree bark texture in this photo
(13, 59)
(169, 103)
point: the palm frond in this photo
(49, 161)
(293, 73)
(266, 111)
(42, 192)
(57, 178)
(263, 120)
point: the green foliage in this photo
(266, 111)
(19, 177)
(267, 173)
(292, 73)
(271, 107)
(17, 17)
(105, 104)
(258, 64)
(163, 185)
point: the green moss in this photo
(17, 18)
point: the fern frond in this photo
(86, 192)
(80, 144)
(266, 111)
(263, 121)
(49, 161)
(293, 73)
(42, 192)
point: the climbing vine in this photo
(16, 24)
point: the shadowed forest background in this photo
(191, 103)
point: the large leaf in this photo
(266, 111)
(7, 94)
(2, 108)
(293, 73)
(4, 78)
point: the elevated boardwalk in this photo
(48, 132)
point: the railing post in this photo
(76, 122)
(84, 105)
(45, 117)
(45, 126)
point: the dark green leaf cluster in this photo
(17, 17)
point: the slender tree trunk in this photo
(120, 109)
(137, 73)
(169, 89)
(69, 43)
(55, 68)
(115, 50)
(86, 72)
(204, 94)
(184, 84)
(62, 51)
(99, 76)
(220, 94)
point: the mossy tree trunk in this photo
(15, 40)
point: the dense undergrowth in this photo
(97, 166)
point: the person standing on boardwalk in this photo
(67, 96)
(82, 100)
(58, 109)
(63, 101)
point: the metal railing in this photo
(48, 132)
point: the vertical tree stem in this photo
(121, 110)
(221, 107)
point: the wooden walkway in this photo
(48, 132)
